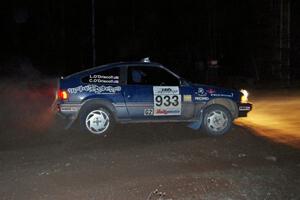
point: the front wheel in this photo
(97, 120)
(217, 120)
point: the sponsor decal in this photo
(165, 90)
(148, 111)
(173, 111)
(95, 89)
(201, 98)
(187, 98)
(167, 100)
(166, 112)
(161, 111)
(201, 92)
(222, 95)
(211, 91)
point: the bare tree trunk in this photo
(93, 33)
(256, 68)
(288, 41)
(280, 39)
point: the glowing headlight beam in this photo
(244, 98)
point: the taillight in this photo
(62, 95)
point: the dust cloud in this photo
(26, 105)
(276, 116)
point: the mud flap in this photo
(197, 124)
(54, 104)
(70, 123)
(66, 122)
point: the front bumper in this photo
(244, 108)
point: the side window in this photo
(150, 76)
(109, 76)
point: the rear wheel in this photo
(97, 120)
(217, 120)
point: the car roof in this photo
(118, 64)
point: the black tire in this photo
(97, 120)
(217, 120)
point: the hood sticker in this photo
(95, 89)
(211, 91)
(201, 92)
(222, 95)
(201, 98)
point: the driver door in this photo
(153, 93)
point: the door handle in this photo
(128, 96)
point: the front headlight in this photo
(244, 97)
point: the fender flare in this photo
(101, 102)
(227, 103)
(105, 103)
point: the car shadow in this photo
(128, 136)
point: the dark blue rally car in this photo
(144, 91)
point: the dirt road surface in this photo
(276, 116)
(41, 160)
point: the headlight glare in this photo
(244, 97)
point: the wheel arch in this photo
(227, 103)
(101, 102)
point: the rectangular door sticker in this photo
(167, 100)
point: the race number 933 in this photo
(167, 100)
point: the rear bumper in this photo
(67, 112)
(244, 108)
(68, 109)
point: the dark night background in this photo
(54, 37)
(257, 46)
